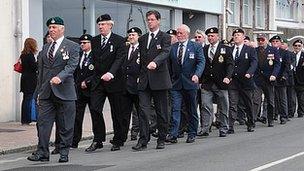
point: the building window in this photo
(234, 14)
(247, 13)
(287, 9)
(260, 13)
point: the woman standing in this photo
(28, 78)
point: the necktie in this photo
(180, 54)
(261, 56)
(211, 56)
(151, 40)
(84, 60)
(132, 51)
(236, 53)
(51, 51)
(103, 42)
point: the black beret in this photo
(135, 30)
(86, 37)
(247, 38)
(297, 41)
(239, 30)
(55, 20)
(104, 17)
(172, 32)
(211, 30)
(275, 37)
(261, 35)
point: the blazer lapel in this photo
(186, 56)
(45, 58)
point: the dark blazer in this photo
(29, 73)
(108, 59)
(221, 66)
(158, 79)
(63, 67)
(285, 60)
(270, 66)
(246, 63)
(291, 79)
(84, 74)
(130, 69)
(193, 64)
(299, 73)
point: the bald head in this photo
(183, 32)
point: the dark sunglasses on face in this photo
(297, 45)
(198, 37)
(260, 39)
(84, 42)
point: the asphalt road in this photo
(280, 148)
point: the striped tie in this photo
(51, 51)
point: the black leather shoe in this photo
(222, 134)
(94, 146)
(250, 129)
(63, 159)
(262, 120)
(230, 131)
(115, 143)
(270, 123)
(37, 157)
(55, 151)
(160, 145)
(139, 147)
(171, 139)
(283, 121)
(190, 140)
(115, 147)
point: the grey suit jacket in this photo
(66, 60)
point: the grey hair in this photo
(201, 32)
(185, 27)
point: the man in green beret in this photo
(56, 91)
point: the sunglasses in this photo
(84, 42)
(198, 37)
(297, 45)
(260, 39)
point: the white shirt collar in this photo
(155, 32)
(107, 36)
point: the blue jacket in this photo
(193, 64)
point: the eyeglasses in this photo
(198, 37)
(260, 39)
(84, 42)
(297, 45)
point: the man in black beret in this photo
(82, 74)
(57, 62)
(172, 33)
(108, 52)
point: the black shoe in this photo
(94, 146)
(139, 147)
(181, 135)
(63, 159)
(190, 140)
(160, 145)
(37, 157)
(270, 123)
(74, 146)
(290, 116)
(283, 121)
(115, 147)
(200, 134)
(171, 139)
(250, 129)
(230, 131)
(55, 151)
(222, 134)
(262, 120)
(275, 117)
(217, 124)
(205, 134)
(115, 143)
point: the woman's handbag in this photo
(18, 66)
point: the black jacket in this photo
(29, 73)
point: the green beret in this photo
(55, 20)
(276, 37)
(86, 37)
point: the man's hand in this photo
(272, 78)
(247, 75)
(152, 65)
(106, 77)
(195, 78)
(226, 80)
(55, 80)
(83, 85)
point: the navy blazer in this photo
(270, 66)
(299, 73)
(193, 64)
(285, 60)
(246, 63)
(221, 67)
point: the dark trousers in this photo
(127, 107)
(26, 108)
(235, 96)
(257, 102)
(281, 107)
(268, 90)
(81, 104)
(291, 100)
(300, 100)
(160, 99)
(61, 111)
(135, 120)
(189, 98)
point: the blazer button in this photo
(127, 67)
(236, 66)
(235, 74)
(211, 75)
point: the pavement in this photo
(16, 137)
